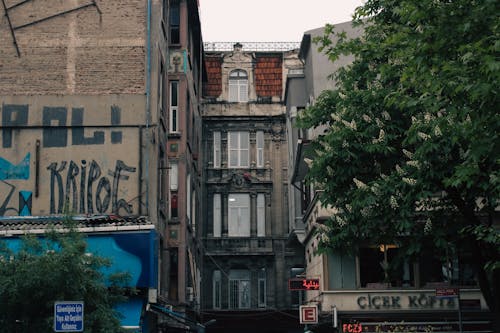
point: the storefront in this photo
(416, 311)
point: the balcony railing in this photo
(239, 245)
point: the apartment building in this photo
(353, 293)
(182, 196)
(249, 253)
(91, 126)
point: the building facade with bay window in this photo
(248, 254)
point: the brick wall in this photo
(89, 51)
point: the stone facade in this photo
(248, 253)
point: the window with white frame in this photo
(174, 107)
(261, 215)
(174, 175)
(259, 140)
(217, 215)
(238, 86)
(261, 283)
(216, 289)
(217, 149)
(238, 149)
(239, 289)
(239, 215)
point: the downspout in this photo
(148, 102)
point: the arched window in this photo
(238, 86)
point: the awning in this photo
(131, 312)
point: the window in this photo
(262, 287)
(217, 215)
(175, 37)
(174, 211)
(188, 198)
(174, 274)
(217, 147)
(239, 289)
(174, 176)
(260, 148)
(238, 86)
(385, 265)
(162, 87)
(193, 209)
(261, 215)
(435, 270)
(238, 149)
(162, 182)
(216, 288)
(297, 295)
(174, 106)
(239, 215)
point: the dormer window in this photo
(238, 86)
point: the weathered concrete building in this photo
(249, 254)
(85, 125)
(353, 288)
(185, 73)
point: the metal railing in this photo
(251, 46)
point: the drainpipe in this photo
(148, 103)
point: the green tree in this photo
(410, 154)
(54, 268)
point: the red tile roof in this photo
(268, 75)
(213, 87)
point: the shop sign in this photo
(413, 302)
(303, 284)
(352, 328)
(447, 292)
(308, 314)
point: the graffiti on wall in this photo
(10, 171)
(85, 186)
(86, 189)
(55, 126)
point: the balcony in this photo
(239, 246)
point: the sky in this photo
(269, 20)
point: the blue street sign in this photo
(68, 316)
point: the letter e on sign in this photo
(308, 314)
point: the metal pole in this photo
(459, 312)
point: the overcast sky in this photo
(269, 20)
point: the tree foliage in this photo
(56, 268)
(410, 155)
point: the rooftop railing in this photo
(251, 46)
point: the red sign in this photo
(303, 284)
(352, 328)
(446, 292)
(308, 314)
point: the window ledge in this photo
(172, 135)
